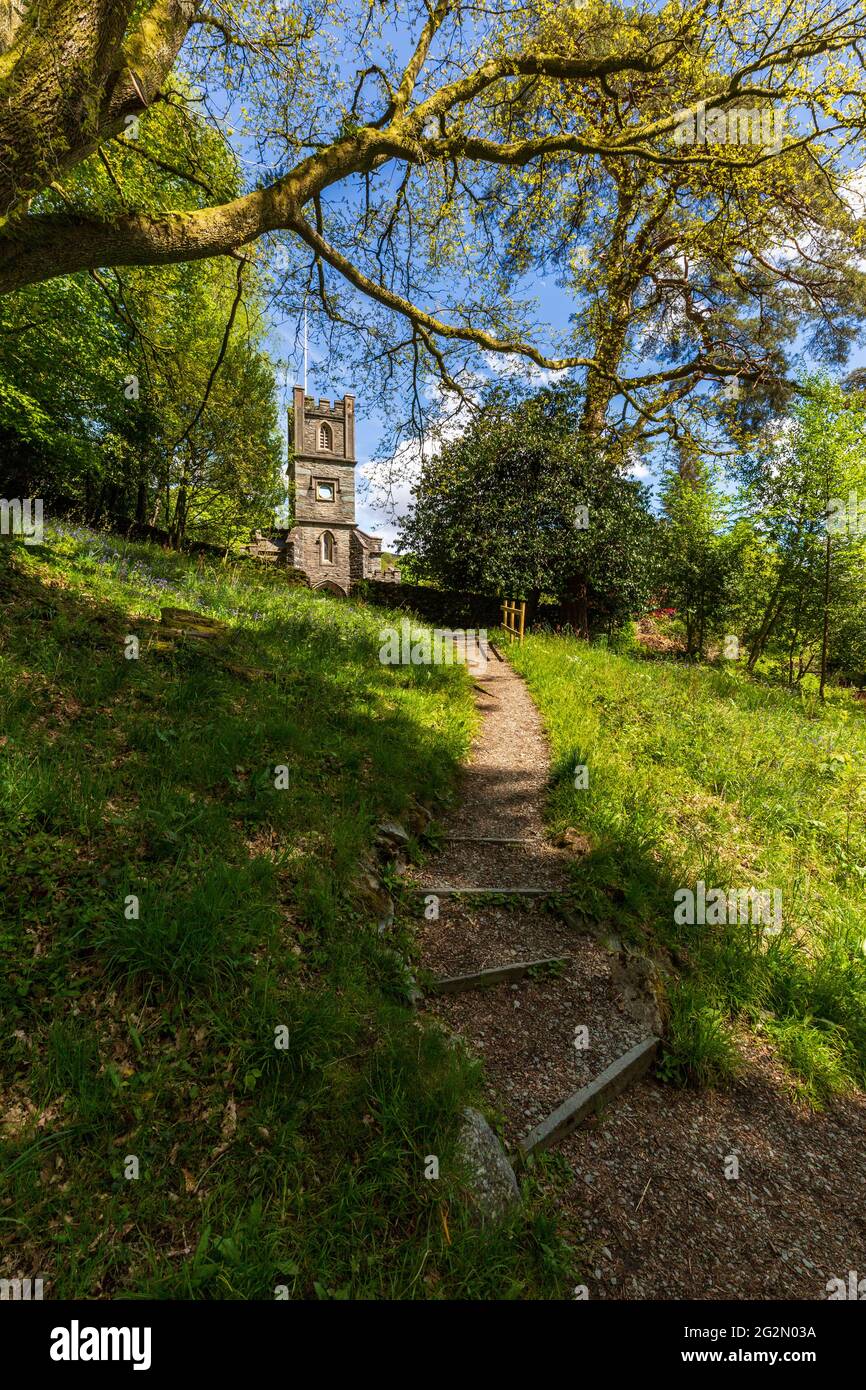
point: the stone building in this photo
(324, 543)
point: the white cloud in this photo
(390, 482)
(377, 512)
(514, 366)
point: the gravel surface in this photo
(649, 1190)
(525, 1034)
(468, 938)
(644, 1197)
(502, 794)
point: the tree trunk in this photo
(532, 603)
(771, 614)
(178, 525)
(71, 74)
(825, 628)
(575, 606)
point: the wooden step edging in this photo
(491, 840)
(490, 892)
(456, 984)
(591, 1098)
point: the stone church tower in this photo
(324, 542)
(331, 550)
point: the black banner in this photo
(141, 1338)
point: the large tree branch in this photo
(38, 247)
(70, 80)
(404, 92)
(50, 245)
(419, 317)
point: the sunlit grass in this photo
(701, 773)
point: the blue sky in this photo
(372, 429)
(553, 307)
(371, 425)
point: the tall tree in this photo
(700, 551)
(805, 487)
(146, 395)
(519, 506)
(409, 184)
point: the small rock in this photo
(375, 898)
(393, 832)
(419, 818)
(184, 621)
(492, 1184)
(638, 983)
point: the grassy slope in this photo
(154, 1037)
(701, 773)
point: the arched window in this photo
(326, 438)
(327, 548)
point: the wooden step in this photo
(501, 892)
(491, 840)
(592, 1098)
(497, 974)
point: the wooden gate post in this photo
(514, 618)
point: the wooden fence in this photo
(514, 619)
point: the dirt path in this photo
(645, 1199)
(502, 794)
(525, 1032)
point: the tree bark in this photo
(575, 606)
(72, 75)
(532, 602)
(825, 627)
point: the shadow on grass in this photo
(189, 978)
(808, 1001)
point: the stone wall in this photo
(309, 506)
(440, 607)
(309, 414)
(308, 554)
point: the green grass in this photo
(147, 1029)
(701, 773)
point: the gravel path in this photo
(645, 1199)
(502, 794)
(650, 1195)
(525, 1033)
